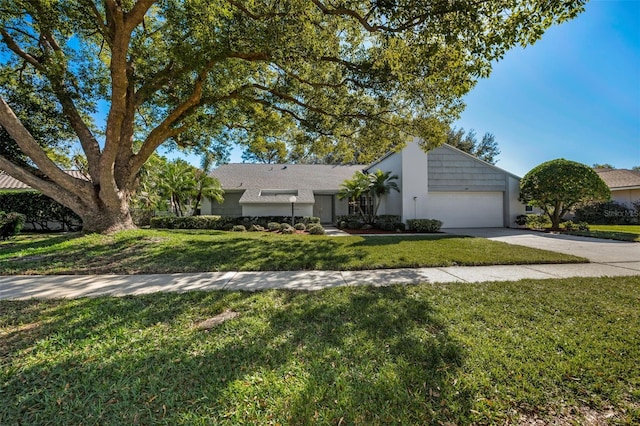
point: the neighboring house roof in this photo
(318, 177)
(9, 182)
(618, 179)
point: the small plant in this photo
(583, 226)
(288, 230)
(538, 221)
(522, 219)
(274, 226)
(10, 224)
(424, 225)
(239, 228)
(354, 224)
(316, 229)
(256, 228)
(285, 225)
(300, 226)
(568, 225)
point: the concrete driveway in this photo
(595, 249)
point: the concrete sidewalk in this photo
(72, 286)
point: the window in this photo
(528, 209)
(365, 202)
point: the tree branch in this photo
(30, 147)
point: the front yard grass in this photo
(543, 352)
(154, 251)
(612, 232)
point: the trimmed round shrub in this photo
(424, 225)
(316, 229)
(288, 230)
(300, 226)
(354, 224)
(256, 228)
(10, 224)
(273, 226)
(239, 228)
(285, 225)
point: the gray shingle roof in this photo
(9, 182)
(620, 178)
(252, 195)
(319, 177)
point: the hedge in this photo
(424, 225)
(222, 223)
(39, 210)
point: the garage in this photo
(466, 209)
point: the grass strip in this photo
(490, 353)
(152, 251)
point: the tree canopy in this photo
(560, 185)
(486, 149)
(359, 76)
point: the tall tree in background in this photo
(199, 74)
(261, 150)
(486, 150)
(602, 166)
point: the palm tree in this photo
(178, 180)
(206, 186)
(380, 185)
(352, 189)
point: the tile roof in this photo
(319, 177)
(9, 182)
(620, 178)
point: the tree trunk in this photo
(107, 219)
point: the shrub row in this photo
(424, 225)
(10, 224)
(608, 213)
(225, 223)
(386, 222)
(40, 211)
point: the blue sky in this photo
(575, 94)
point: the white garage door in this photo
(466, 209)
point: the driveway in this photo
(595, 249)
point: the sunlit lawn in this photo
(613, 232)
(154, 251)
(491, 353)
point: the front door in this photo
(323, 208)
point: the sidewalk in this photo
(73, 286)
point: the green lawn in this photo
(152, 251)
(491, 353)
(612, 232)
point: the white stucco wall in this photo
(515, 207)
(626, 196)
(415, 197)
(264, 209)
(392, 202)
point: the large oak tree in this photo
(191, 73)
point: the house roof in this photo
(451, 148)
(319, 177)
(9, 182)
(620, 178)
(257, 196)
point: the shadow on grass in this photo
(381, 241)
(140, 254)
(350, 356)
